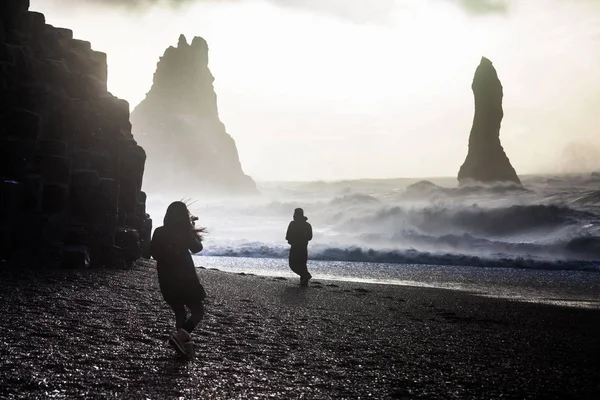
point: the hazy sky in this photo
(336, 89)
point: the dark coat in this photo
(299, 232)
(177, 276)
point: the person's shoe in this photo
(304, 280)
(189, 350)
(178, 340)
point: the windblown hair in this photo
(179, 219)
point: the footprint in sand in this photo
(361, 290)
(316, 283)
(214, 269)
(332, 285)
(280, 278)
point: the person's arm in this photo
(288, 234)
(157, 246)
(195, 245)
(309, 232)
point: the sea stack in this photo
(486, 161)
(70, 170)
(189, 150)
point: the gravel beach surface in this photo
(102, 334)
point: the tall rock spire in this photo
(182, 41)
(178, 123)
(486, 161)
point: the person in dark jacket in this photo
(299, 233)
(179, 284)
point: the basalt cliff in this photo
(70, 170)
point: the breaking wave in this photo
(410, 256)
(554, 223)
(489, 222)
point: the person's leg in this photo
(178, 338)
(182, 339)
(305, 276)
(304, 266)
(180, 315)
(195, 302)
(197, 314)
(191, 295)
(300, 260)
(296, 260)
(291, 261)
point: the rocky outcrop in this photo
(486, 161)
(178, 124)
(70, 170)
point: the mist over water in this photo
(551, 224)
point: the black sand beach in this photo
(101, 334)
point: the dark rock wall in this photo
(70, 170)
(486, 161)
(178, 124)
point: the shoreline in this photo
(579, 289)
(101, 333)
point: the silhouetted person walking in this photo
(299, 233)
(179, 283)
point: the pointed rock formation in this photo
(486, 161)
(178, 124)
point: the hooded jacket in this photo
(299, 232)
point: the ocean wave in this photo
(512, 219)
(427, 189)
(583, 247)
(473, 219)
(409, 256)
(354, 199)
(589, 199)
(424, 189)
(555, 226)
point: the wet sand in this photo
(102, 334)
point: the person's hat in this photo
(299, 211)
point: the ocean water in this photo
(536, 243)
